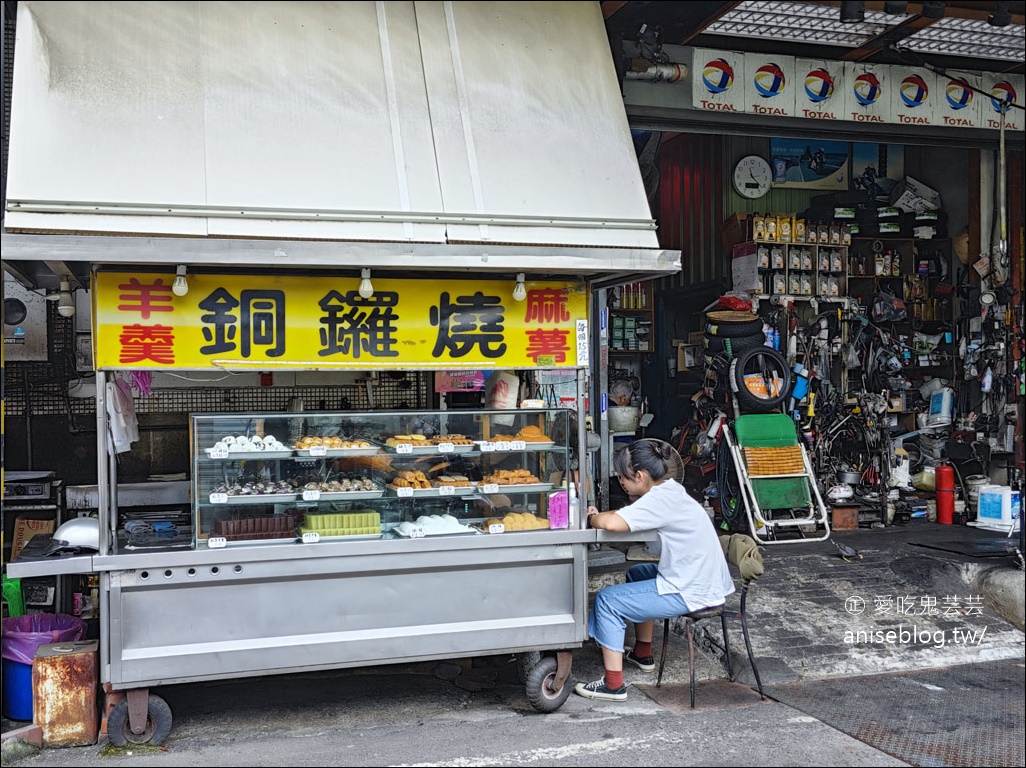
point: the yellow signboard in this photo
(266, 322)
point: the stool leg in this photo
(726, 647)
(662, 654)
(748, 644)
(691, 658)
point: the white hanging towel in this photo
(124, 426)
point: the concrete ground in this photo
(902, 608)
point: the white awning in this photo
(498, 125)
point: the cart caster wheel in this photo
(526, 662)
(541, 696)
(158, 724)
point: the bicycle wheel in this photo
(760, 379)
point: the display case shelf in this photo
(433, 476)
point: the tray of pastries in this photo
(514, 480)
(516, 521)
(310, 446)
(461, 484)
(351, 488)
(412, 482)
(534, 438)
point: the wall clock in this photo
(752, 176)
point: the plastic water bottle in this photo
(573, 502)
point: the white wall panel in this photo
(819, 89)
(770, 84)
(1003, 88)
(914, 93)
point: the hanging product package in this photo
(888, 308)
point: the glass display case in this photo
(277, 478)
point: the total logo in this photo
(867, 89)
(717, 76)
(914, 91)
(1002, 95)
(819, 85)
(769, 80)
(958, 94)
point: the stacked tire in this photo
(728, 334)
(735, 348)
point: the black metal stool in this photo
(743, 553)
(690, 619)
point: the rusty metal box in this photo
(844, 518)
(64, 692)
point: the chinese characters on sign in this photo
(235, 320)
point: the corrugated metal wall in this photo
(696, 195)
(691, 205)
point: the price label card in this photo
(446, 447)
(487, 446)
(502, 445)
(219, 498)
(219, 453)
(404, 448)
(447, 490)
(490, 488)
(311, 537)
(496, 528)
(417, 533)
(311, 495)
(318, 450)
(518, 445)
(217, 542)
(404, 493)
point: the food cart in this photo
(340, 539)
(379, 146)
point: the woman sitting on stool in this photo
(691, 573)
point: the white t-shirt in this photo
(691, 561)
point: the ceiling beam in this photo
(957, 10)
(710, 18)
(885, 40)
(63, 270)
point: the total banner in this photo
(265, 322)
(784, 86)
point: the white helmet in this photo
(841, 492)
(74, 535)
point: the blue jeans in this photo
(636, 601)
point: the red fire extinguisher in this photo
(945, 485)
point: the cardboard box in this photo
(736, 228)
(24, 529)
(744, 268)
(696, 337)
(911, 195)
(690, 356)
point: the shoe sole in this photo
(581, 690)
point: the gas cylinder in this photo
(945, 487)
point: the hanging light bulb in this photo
(65, 299)
(366, 286)
(180, 287)
(519, 290)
